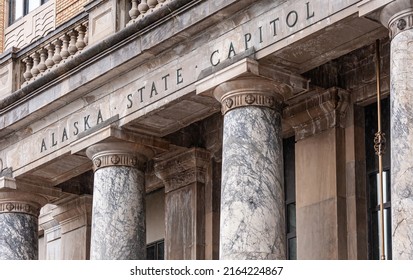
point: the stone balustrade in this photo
(140, 8)
(62, 47)
(55, 52)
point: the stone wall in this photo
(2, 23)
(66, 9)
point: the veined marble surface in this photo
(118, 218)
(18, 236)
(252, 202)
(401, 97)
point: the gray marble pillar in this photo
(397, 16)
(252, 196)
(19, 222)
(118, 216)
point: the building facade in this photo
(204, 129)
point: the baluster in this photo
(42, 64)
(58, 48)
(50, 54)
(152, 3)
(72, 45)
(143, 7)
(80, 43)
(35, 71)
(86, 39)
(134, 12)
(65, 46)
(29, 64)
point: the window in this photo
(155, 250)
(20, 8)
(289, 183)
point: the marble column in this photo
(19, 212)
(397, 16)
(118, 215)
(252, 196)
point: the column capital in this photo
(13, 200)
(119, 153)
(249, 91)
(397, 16)
(183, 169)
(320, 111)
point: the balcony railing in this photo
(59, 48)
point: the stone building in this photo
(204, 129)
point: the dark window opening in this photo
(155, 250)
(289, 189)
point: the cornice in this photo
(318, 112)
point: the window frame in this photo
(12, 10)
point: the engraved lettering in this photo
(165, 78)
(141, 93)
(54, 142)
(247, 38)
(64, 135)
(179, 78)
(308, 11)
(86, 122)
(100, 118)
(274, 26)
(212, 60)
(43, 147)
(231, 52)
(76, 132)
(291, 19)
(130, 101)
(153, 90)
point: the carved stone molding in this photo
(20, 207)
(118, 154)
(183, 169)
(16, 199)
(318, 112)
(397, 17)
(249, 91)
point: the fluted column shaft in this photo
(252, 197)
(118, 216)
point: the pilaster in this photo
(75, 219)
(184, 176)
(318, 122)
